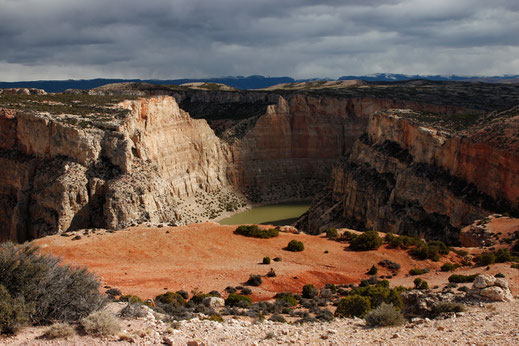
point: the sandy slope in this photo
(147, 261)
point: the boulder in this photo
(213, 302)
(496, 293)
(484, 280)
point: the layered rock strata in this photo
(405, 177)
(60, 176)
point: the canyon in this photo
(400, 157)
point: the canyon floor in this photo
(146, 261)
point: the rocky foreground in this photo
(492, 323)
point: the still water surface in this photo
(272, 214)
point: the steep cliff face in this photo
(290, 150)
(404, 177)
(68, 174)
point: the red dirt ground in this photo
(148, 261)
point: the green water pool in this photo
(272, 214)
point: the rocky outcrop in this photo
(404, 177)
(61, 176)
(487, 287)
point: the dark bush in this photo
(485, 258)
(50, 291)
(271, 273)
(12, 313)
(246, 291)
(458, 278)
(420, 284)
(332, 233)
(254, 280)
(432, 250)
(233, 300)
(183, 294)
(113, 292)
(366, 241)
(277, 318)
(446, 307)
(309, 291)
(416, 271)
(255, 232)
(389, 264)
(373, 270)
(266, 260)
(295, 246)
(348, 236)
(131, 299)
(503, 255)
(230, 289)
(384, 316)
(353, 305)
(324, 315)
(277, 259)
(499, 275)
(448, 267)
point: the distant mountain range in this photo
(250, 82)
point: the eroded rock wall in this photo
(405, 178)
(59, 176)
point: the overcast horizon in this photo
(58, 39)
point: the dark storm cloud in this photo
(199, 38)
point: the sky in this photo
(160, 39)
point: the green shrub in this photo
(432, 250)
(255, 232)
(100, 323)
(309, 291)
(295, 246)
(515, 266)
(348, 236)
(12, 313)
(503, 255)
(499, 275)
(380, 293)
(448, 267)
(332, 233)
(458, 278)
(59, 331)
(366, 241)
(485, 258)
(266, 260)
(286, 297)
(373, 270)
(171, 298)
(131, 299)
(233, 299)
(384, 316)
(50, 291)
(277, 259)
(354, 305)
(402, 241)
(416, 271)
(254, 280)
(420, 284)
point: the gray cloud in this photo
(55, 39)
